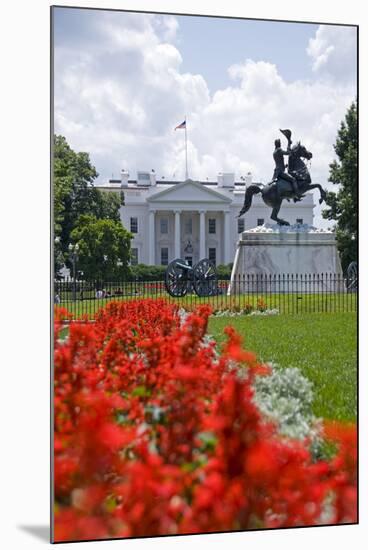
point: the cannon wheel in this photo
(205, 278)
(352, 277)
(176, 279)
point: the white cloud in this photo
(333, 51)
(166, 26)
(121, 97)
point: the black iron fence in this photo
(282, 293)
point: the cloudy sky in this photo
(123, 81)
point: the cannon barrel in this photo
(184, 266)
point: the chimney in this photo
(124, 178)
(143, 179)
(225, 179)
(153, 177)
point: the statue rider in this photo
(278, 155)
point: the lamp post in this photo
(73, 251)
(56, 254)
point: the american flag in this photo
(182, 125)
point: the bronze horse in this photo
(276, 191)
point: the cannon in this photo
(352, 277)
(181, 278)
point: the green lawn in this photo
(323, 346)
(291, 303)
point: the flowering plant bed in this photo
(156, 433)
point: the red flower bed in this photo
(155, 434)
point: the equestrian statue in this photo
(285, 185)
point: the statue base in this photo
(296, 258)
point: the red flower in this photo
(156, 434)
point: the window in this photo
(212, 225)
(134, 256)
(241, 225)
(134, 225)
(299, 221)
(164, 256)
(212, 255)
(188, 228)
(260, 221)
(164, 226)
(144, 176)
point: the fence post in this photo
(247, 288)
(330, 292)
(297, 293)
(326, 289)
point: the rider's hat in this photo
(287, 133)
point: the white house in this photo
(193, 219)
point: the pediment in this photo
(191, 191)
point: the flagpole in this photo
(186, 150)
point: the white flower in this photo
(286, 397)
(266, 312)
(242, 312)
(183, 314)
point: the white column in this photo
(151, 238)
(177, 234)
(227, 246)
(202, 235)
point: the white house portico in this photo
(191, 219)
(188, 207)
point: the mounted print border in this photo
(205, 274)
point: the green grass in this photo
(323, 346)
(286, 303)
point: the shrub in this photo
(224, 271)
(143, 272)
(156, 433)
(261, 305)
(248, 308)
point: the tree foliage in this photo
(75, 196)
(104, 248)
(343, 205)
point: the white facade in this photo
(193, 220)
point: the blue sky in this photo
(210, 45)
(123, 81)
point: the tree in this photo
(343, 205)
(73, 176)
(105, 205)
(75, 196)
(104, 248)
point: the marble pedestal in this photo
(298, 258)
